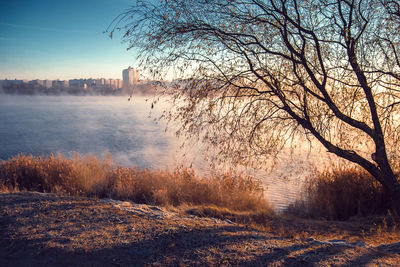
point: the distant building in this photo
(130, 76)
(36, 82)
(77, 83)
(60, 84)
(12, 82)
(74, 83)
(114, 83)
(102, 81)
(48, 83)
(111, 83)
(120, 83)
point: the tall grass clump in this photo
(341, 193)
(76, 176)
(92, 177)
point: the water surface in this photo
(128, 130)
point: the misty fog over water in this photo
(41, 125)
(128, 130)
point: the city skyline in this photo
(129, 77)
(61, 40)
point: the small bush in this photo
(340, 194)
(92, 177)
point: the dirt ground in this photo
(47, 230)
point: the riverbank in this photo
(51, 230)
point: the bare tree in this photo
(255, 73)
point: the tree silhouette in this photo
(255, 73)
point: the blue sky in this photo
(61, 39)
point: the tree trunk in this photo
(395, 200)
(391, 186)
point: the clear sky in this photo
(61, 39)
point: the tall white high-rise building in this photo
(130, 76)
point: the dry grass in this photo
(253, 218)
(92, 177)
(374, 230)
(229, 196)
(340, 194)
(51, 230)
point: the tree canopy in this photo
(253, 74)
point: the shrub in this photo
(341, 193)
(92, 177)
